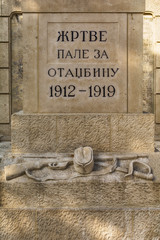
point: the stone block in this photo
(4, 81)
(135, 68)
(4, 109)
(4, 55)
(142, 194)
(157, 131)
(148, 63)
(157, 80)
(131, 132)
(70, 132)
(35, 133)
(97, 128)
(83, 6)
(157, 54)
(4, 29)
(10, 6)
(17, 63)
(17, 224)
(81, 224)
(5, 130)
(19, 195)
(30, 63)
(157, 22)
(146, 224)
(157, 108)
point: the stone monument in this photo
(82, 164)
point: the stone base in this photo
(81, 209)
(41, 133)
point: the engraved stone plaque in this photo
(82, 63)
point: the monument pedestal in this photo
(63, 133)
(89, 208)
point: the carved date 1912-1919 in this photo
(92, 91)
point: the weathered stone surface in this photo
(82, 6)
(146, 224)
(10, 6)
(17, 63)
(157, 23)
(114, 97)
(19, 195)
(81, 224)
(127, 133)
(4, 29)
(4, 55)
(135, 68)
(4, 108)
(4, 81)
(97, 132)
(157, 109)
(65, 133)
(70, 132)
(17, 224)
(30, 64)
(30, 132)
(82, 193)
(157, 55)
(148, 63)
(5, 130)
(157, 80)
(157, 131)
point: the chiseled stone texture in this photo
(79, 194)
(33, 133)
(81, 224)
(3, 29)
(17, 224)
(132, 133)
(146, 224)
(19, 195)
